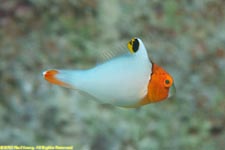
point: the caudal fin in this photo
(52, 77)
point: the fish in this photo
(130, 80)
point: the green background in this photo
(186, 37)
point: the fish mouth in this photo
(172, 91)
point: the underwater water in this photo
(187, 38)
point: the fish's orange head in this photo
(161, 85)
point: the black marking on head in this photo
(135, 45)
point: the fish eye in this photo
(168, 82)
(133, 45)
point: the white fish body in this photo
(120, 81)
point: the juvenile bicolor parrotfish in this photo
(129, 80)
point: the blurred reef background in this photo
(186, 37)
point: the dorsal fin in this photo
(124, 47)
(110, 52)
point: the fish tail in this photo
(56, 77)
